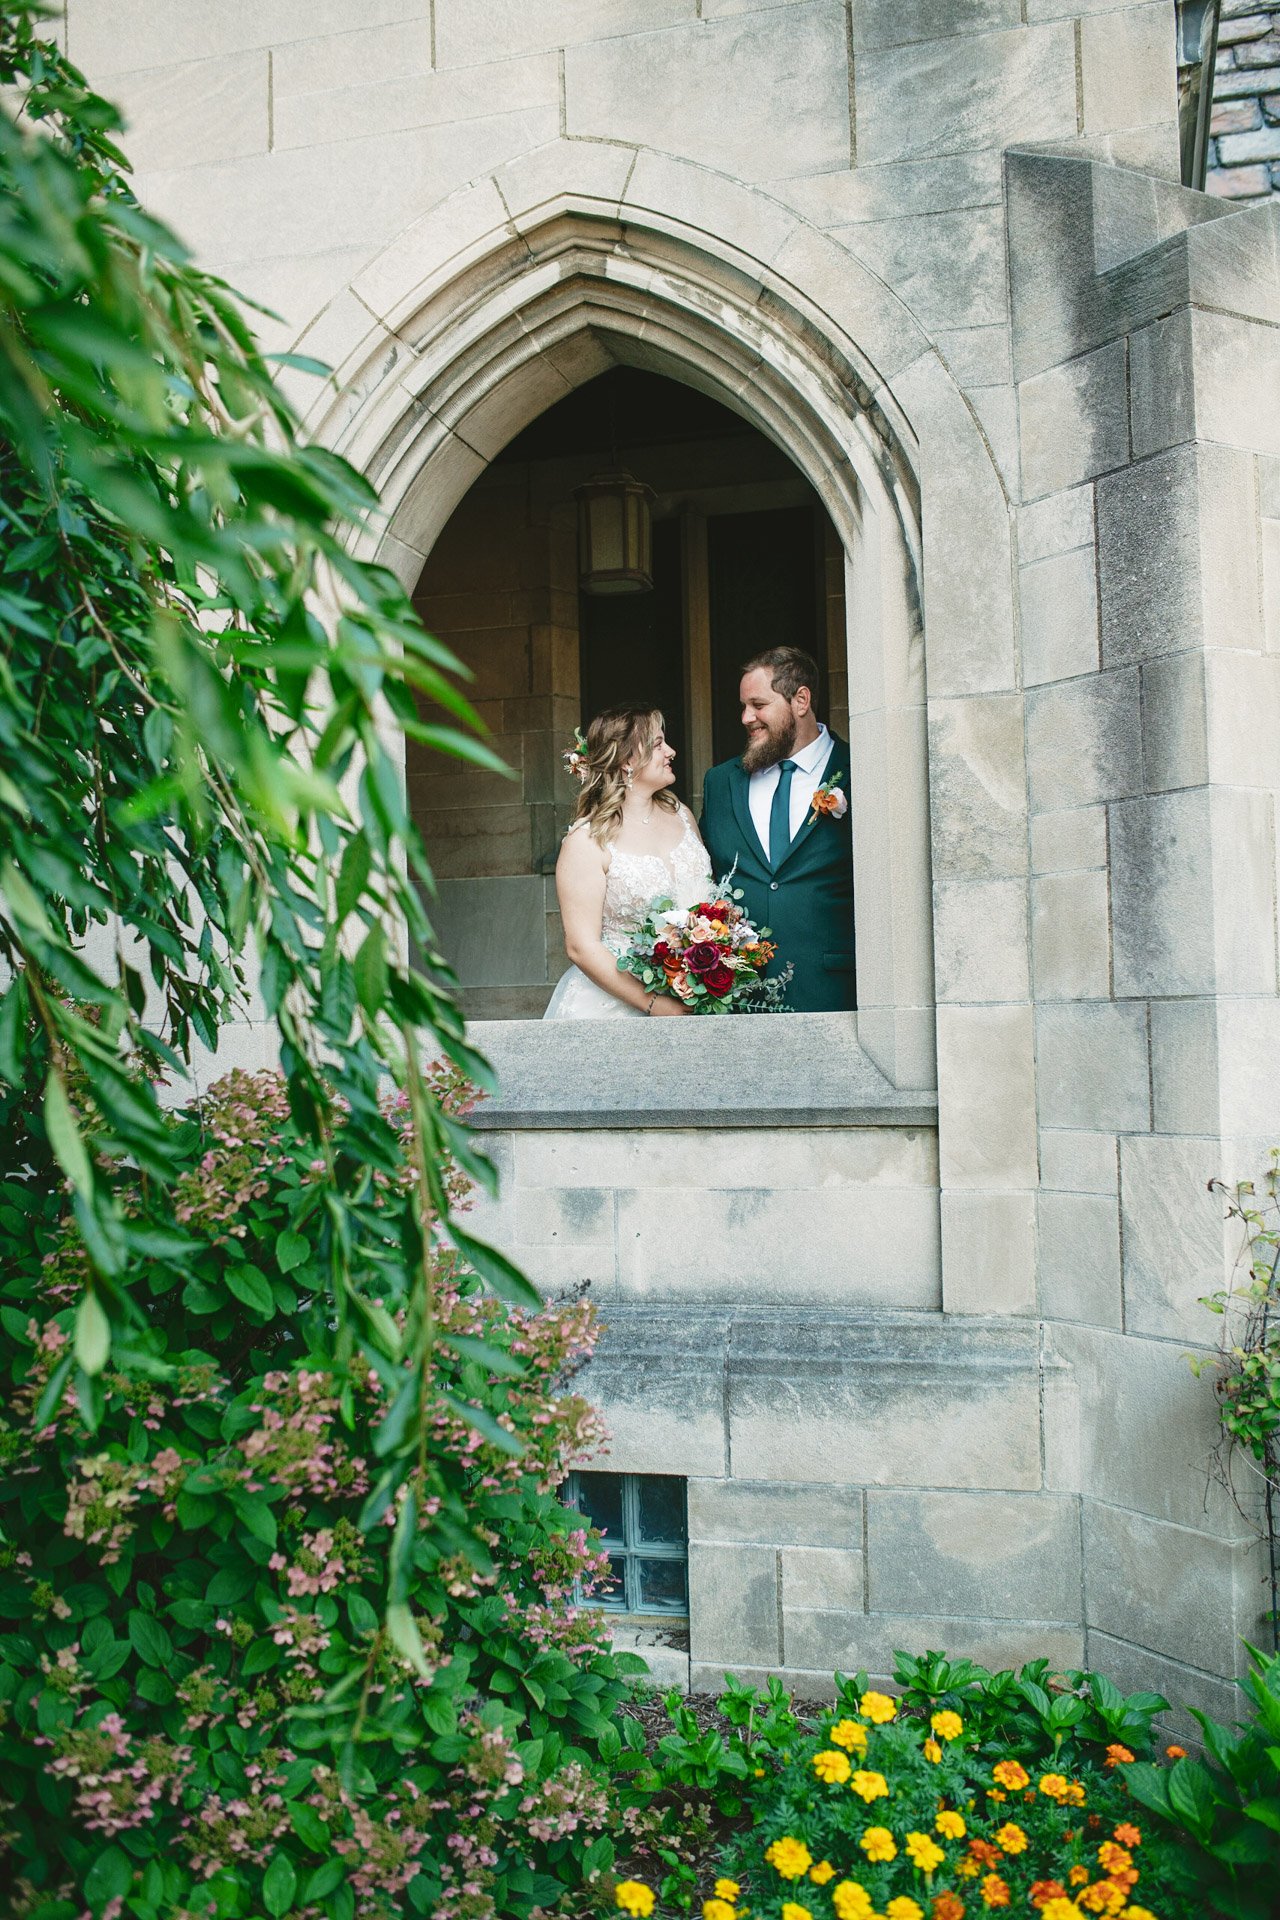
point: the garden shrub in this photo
(206, 1703)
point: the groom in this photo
(794, 861)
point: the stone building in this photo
(901, 310)
(1244, 157)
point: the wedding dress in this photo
(631, 882)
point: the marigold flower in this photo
(1011, 1838)
(1041, 1891)
(869, 1786)
(879, 1707)
(877, 1844)
(1114, 1858)
(727, 1889)
(851, 1900)
(932, 1751)
(1075, 1793)
(792, 1910)
(904, 1908)
(1176, 1753)
(1128, 1835)
(1055, 1785)
(947, 1725)
(994, 1890)
(632, 1896)
(1063, 1909)
(1118, 1756)
(848, 1734)
(924, 1852)
(788, 1857)
(1136, 1913)
(1077, 1876)
(1008, 1773)
(832, 1766)
(717, 1910)
(948, 1906)
(949, 1825)
(823, 1872)
(1104, 1896)
(968, 1869)
(984, 1851)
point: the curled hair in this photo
(789, 669)
(615, 739)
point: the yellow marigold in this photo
(717, 1910)
(877, 1844)
(1114, 1858)
(851, 1900)
(849, 1735)
(949, 1825)
(1075, 1793)
(904, 1908)
(727, 1889)
(994, 1890)
(1060, 1910)
(932, 1751)
(924, 1852)
(792, 1910)
(878, 1707)
(1104, 1896)
(1077, 1875)
(632, 1896)
(947, 1725)
(1056, 1785)
(1137, 1913)
(823, 1872)
(1008, 1773)
(1011, 1838)
(791, 1858)
(832, 1766)
(968, 1868)
(869, 1786)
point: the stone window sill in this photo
(766, 1070)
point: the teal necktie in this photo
(780, 815)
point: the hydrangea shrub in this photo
(206, 1706)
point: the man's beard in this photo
(765, 750)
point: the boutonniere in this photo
(830, 800)
(575, 757)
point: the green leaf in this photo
(93, 1334)
(324, 1881)
(249, 1286)
(279, 1885)
(493, 1267)
(371, 971)
(291, 1250)
(1193, 1796)
(149, 1640)
(402, 1631)
(353, 875)
(64, 1135)
(310, 1828)
(109, 1878)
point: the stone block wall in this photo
(1244, 151)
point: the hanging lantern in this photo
(615, 545)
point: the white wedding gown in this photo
(632, 881)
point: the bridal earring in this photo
(626, 777)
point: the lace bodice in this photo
(634, 879)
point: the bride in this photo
(632, 839)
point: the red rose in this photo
(662, 951)
(718, 980)
(701, 957)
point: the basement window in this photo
(643, 1519)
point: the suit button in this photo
(773, 886)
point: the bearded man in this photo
(781, 812)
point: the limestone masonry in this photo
(905, 1295)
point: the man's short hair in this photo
(789, 669)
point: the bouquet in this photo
(710, 956)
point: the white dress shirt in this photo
(811, 763)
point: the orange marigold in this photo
(1128, 1835)
(1041, 1890)
(1078, 1875)
(1008, 1773)
(994, 1890)
(948, 1906)
(1114, 1858)
(984, 1851)
(1176, 1753)
(1118, 1756)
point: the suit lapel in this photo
(838, 761)
(739, 795)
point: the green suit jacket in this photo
(807, 900)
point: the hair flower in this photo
(575, 757)
(830, 799)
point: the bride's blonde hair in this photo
(615, 739)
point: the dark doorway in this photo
(762, 588)
(633, 643)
